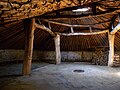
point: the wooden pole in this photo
(81, 33)
(72, 31)
(111, 49)
(41, 27)
(57, 49)
(29, 47)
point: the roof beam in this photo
(67, 34)
(92, 33)
(45, 29)
(115, 29)
(112, 22)
(69, 25)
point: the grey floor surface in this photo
(46, 76)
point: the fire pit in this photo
(78, 70)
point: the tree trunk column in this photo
(57, 49)
(29, 32)
(111, 49)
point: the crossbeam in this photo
(115, 29)
(69, 25)
(45, 29)
(91, 33)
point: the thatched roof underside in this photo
(12, 34)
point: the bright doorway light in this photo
(118, 73)
(81, 9)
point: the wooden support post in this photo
(57, 49)
(29, 47)
(49, 25)
(90, 28)
(72, 31)
(111, 49)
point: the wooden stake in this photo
(57, 49)
(111, 49)
(29, 47)
(72, 31)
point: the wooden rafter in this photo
(91, 33)
(69, 25)
(67, 34)
(45, 29)
(115, 29)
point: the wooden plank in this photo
(29, 48)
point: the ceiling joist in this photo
(69, 25)
(91, 33)
(68, 34)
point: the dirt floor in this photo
(46, 76)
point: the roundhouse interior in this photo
(59, 44)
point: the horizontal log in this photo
(69, 25)
(92, 33)
(67, 34)
(11, 10)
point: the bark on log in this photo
(115, 29)
(91, 33)
(100, 58)
(111, 49)
(29, 48)
(57, 49)
(69, 25)
(45, 29)
(20, 9)
(117, 59)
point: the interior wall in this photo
(13, 55)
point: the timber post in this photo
(57, 49)
(111, 50)
(29, 39)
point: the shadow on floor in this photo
(10, 76)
